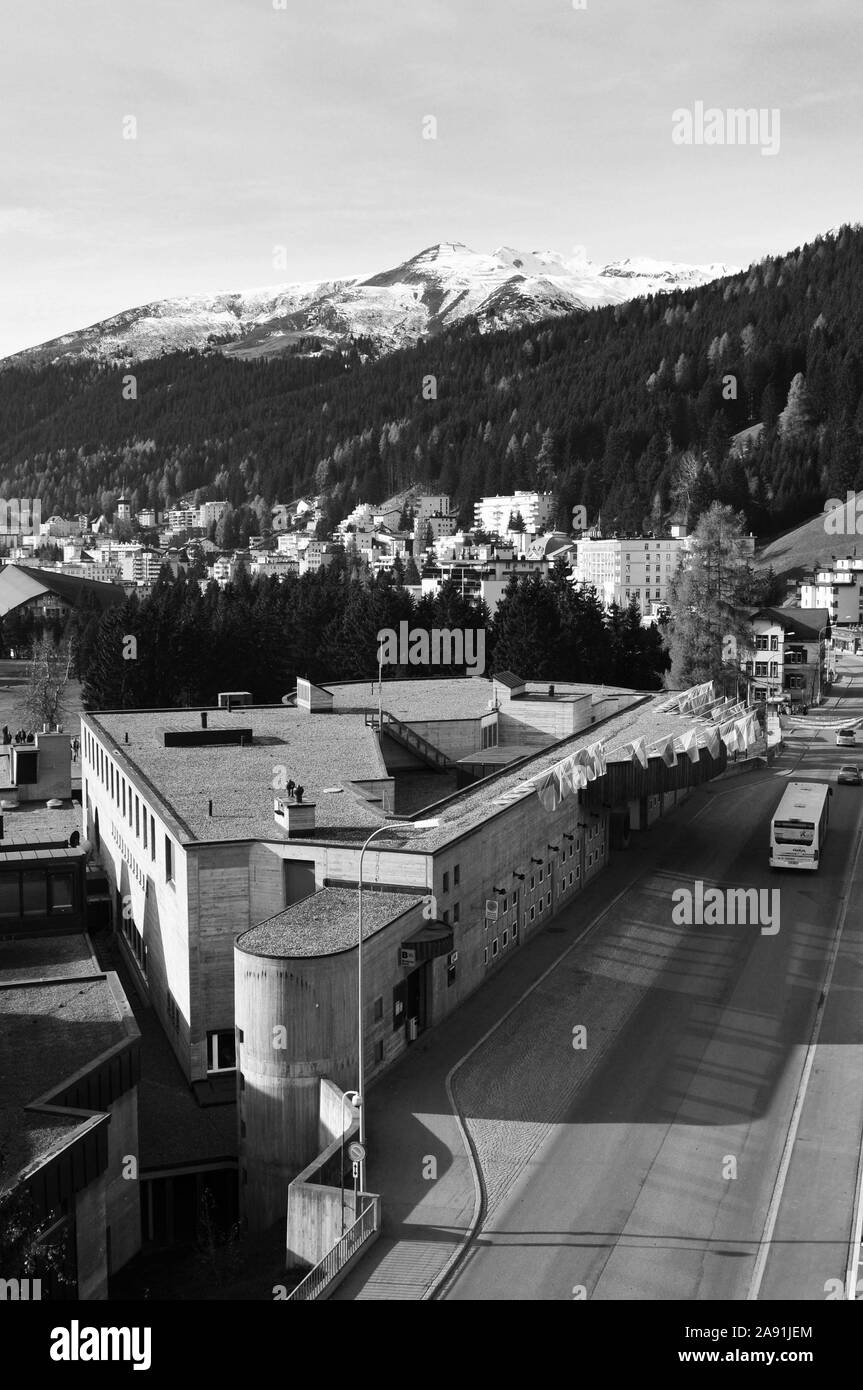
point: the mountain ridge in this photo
(440, 286)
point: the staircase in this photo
(408, 738)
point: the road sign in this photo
(356, 1151)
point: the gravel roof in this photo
(52, 1030)
(325, 923)
(33, 821)
(46, 957)
(318, 751)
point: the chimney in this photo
(294, 818)
(203, 719)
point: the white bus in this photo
(799, 826)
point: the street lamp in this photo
(827, 633)
(384, 829)
(353, 1098)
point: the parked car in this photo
(850, 774)
(846, 738)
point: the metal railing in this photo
(323, 1273)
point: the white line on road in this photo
(791, 1136)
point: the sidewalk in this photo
(430, 1208)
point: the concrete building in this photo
(215, 827)
(492, 514)
(68, 1105)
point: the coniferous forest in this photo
(629, 411)
(190, 645)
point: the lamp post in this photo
(826, 632)
(384, 829)
(353, 1097)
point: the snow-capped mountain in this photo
(426, 294)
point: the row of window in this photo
(35, 893)
(130, 805)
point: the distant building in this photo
(50, 595)
(124, 509)
(536, 509)
(789, 656)
(148, 518)
(838, 587)
(625, 568)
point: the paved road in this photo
(656, 1162)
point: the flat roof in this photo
(31, 822)
(467, 809)
(318, 750)
(325, 923)
(54, 1021)
(458, 697)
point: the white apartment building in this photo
(625, 568)
(837, 588)
(208, 512)
(148, 517)
(536, 510)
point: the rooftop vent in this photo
(314, 699)
(233, 699)
(292, 816)
(208, 738)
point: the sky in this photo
(260, 126)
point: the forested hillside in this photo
(630, 410)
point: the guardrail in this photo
(321, 1276)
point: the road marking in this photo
(812, 1047)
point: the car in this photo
(846, 738)
(850, 774)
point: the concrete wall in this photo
(315, 1216)
(91, 1253)
(122, 1194)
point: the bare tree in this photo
(48, 674)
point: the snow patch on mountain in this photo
(442, 285)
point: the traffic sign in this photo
(356, 1151)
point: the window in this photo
(137, 822)
(169, 861)
(145, 827)
(456, 876)
(541, 874)
(505, 901)
(60, 892)
(123, 803)
(378, 1009)
(379, 1051)
(485, 956)
(532, 882)
(456, 912)
(10, 895)
(532, 913)
(450, 976)
(446, 883)
(494, 947)
(505, 937)
(221, 1050)
(34, 894)
(152, 838)
(548, 899)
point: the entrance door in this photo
(418, 984)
